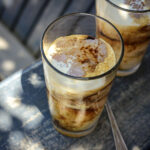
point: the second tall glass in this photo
(132, 19)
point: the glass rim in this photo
(76, 77)
(129, 10)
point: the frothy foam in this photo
(77, 55)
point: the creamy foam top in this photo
(80, 55)
(121, 17)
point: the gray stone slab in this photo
(13, 55)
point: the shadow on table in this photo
(40, 129)
(123, 92)
(26, 122)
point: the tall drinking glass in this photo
(76, 102)
(132, 19)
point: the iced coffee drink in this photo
(79, 70)
(132, 19)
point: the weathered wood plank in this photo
(36, 131)
(92, 10)
(79, 6)
(29, 16)
(13, 55)
(130, 103)
(1, 2)
(100, 139)
(30, 125)
(1, 7)
(12, 7)
(52, 11)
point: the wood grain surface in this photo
(51, 12)
(26, 122)
(55, 9)
(13, 8)
(30, 16)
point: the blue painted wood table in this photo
(25, 121)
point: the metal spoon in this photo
(119, 141)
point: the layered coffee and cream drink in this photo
(76, 103)
(132, 19)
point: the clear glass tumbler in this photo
(132, 19)
(76, 102)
